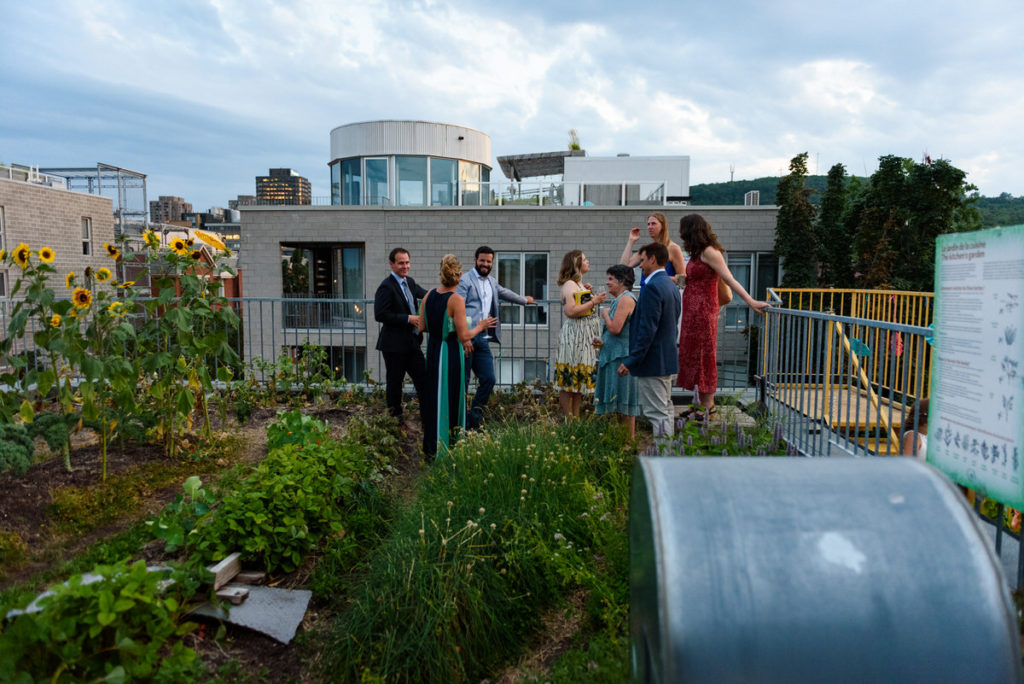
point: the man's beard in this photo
(483, 270)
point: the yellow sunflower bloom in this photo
(69, 280)
(55, 321)
(103, 275)
(116, 309)
(227, 251)
(21, 255)
(46, 255)
(112, 251)
(151, 238)
(126, 283)
(196, 255)
(210, 239)
(81, 298)
(179, 246)
(3, 254)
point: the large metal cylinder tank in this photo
(812, 570)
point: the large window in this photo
(527, 274)
(443, 179)
(411, 175)
(86, 236)
(322, 271)
(756, 272)
(351, 181)
(336, 183)
(377, 182)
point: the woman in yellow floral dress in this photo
(576, 364)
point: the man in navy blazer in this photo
(653, 358)
(395, 308)
(481, 291)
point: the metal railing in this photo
(346, 329)
(840, 384)
(514, 194)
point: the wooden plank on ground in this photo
(225, 571)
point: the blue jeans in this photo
(482, 363)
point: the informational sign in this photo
(976, 412)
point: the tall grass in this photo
(499, 530)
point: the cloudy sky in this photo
(203, 95)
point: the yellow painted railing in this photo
(897, 364)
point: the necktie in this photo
(408, 296)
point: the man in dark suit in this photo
(653, 358)
(395, 308)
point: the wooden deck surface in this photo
(850, 413)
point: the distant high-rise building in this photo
(242, 201)
(167, 209)
(282, 186)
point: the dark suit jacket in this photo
(391, 310)
(653, 330)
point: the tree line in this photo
(1003, 210)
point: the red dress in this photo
(698, 333)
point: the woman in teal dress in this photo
(614, 393)
(444, 318)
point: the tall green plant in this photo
(795, 242)
(185, 334)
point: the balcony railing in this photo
(513, 194)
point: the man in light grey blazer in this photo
(481, 291)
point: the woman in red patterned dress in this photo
(699, 330)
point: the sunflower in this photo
(21, 254)
(112, 251)
(191, 241)
(196, 255)
(103, 275)
(69, 280)
(46, 255)
(210, 239)
(227, 251)
(116, 309)
(81, 298)
(3, 254)
(151, 238)
(55, 321)
(179, 246)
(125, 284)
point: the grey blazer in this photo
(470, 290)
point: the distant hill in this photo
(1004, 210)
(732, 192)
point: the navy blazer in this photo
(653, 329)
(391, 310)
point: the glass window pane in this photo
(767, 275)
(535, 284)
(411, 175)
(468, 171)
(352, 181)
(377, 182)
(442, 181)
(336, 183)
(510, 276)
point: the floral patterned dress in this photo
(576, 363)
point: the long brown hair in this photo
(697, 235)
(915, 422)
(572, 267)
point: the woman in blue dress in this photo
(444, 319)
(614, 393)
(657, 228)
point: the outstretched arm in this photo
(713, 258)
